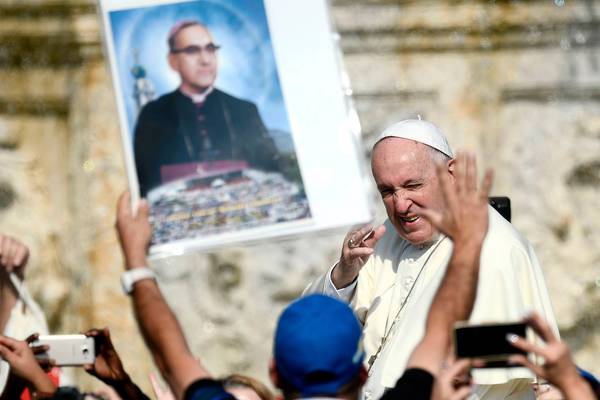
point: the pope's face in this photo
(406, 179)
(195, 59)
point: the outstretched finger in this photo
(486, 183)
(471, 178)
(522, 344)
(541, 328)
(460, 171)
(106, 332)
(11, 343)
(143, 209)
(124, 205)
(92, 332)
(449, 189)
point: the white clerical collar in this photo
(197, 98)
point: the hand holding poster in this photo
(233, 119)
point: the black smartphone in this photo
(487, 342)
(502, 205)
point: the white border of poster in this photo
(323, 125)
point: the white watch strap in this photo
(130, 277)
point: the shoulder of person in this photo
(504, 244)
(233, 100)
(162, 105)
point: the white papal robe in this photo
(510, 284)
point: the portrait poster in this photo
(234, 120)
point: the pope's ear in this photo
(451, 166)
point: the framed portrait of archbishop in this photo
(234, 121)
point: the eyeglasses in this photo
(194, 50)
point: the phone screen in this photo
(487, 342)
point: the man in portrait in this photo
(198, 123)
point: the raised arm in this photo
(465, 220)
(158, 324)
(109, 369)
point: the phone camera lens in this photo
(84, 349)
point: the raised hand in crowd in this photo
(156, 320)
(558, 368)
(24, 365)
(453, 382)
(465, 216)
(134, 230)
(464, 219)
(13, 255)
(356, 250)
(109, 368)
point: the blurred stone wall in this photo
(518, 81)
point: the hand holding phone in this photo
(488, 342)
(67, 350)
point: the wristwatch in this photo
(130, 277)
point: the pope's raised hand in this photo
(356, 250)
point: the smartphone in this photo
(67, 350)
(502, 205)
(487, 342)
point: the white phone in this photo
(67, 350)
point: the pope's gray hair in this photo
(437, 157)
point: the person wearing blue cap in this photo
(390, 274)
(317, 350)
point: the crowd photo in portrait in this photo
(207, 124)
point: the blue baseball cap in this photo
(318, 346)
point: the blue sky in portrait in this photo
(247, 67)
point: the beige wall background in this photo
(518, 81)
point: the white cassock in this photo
(399, 281)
